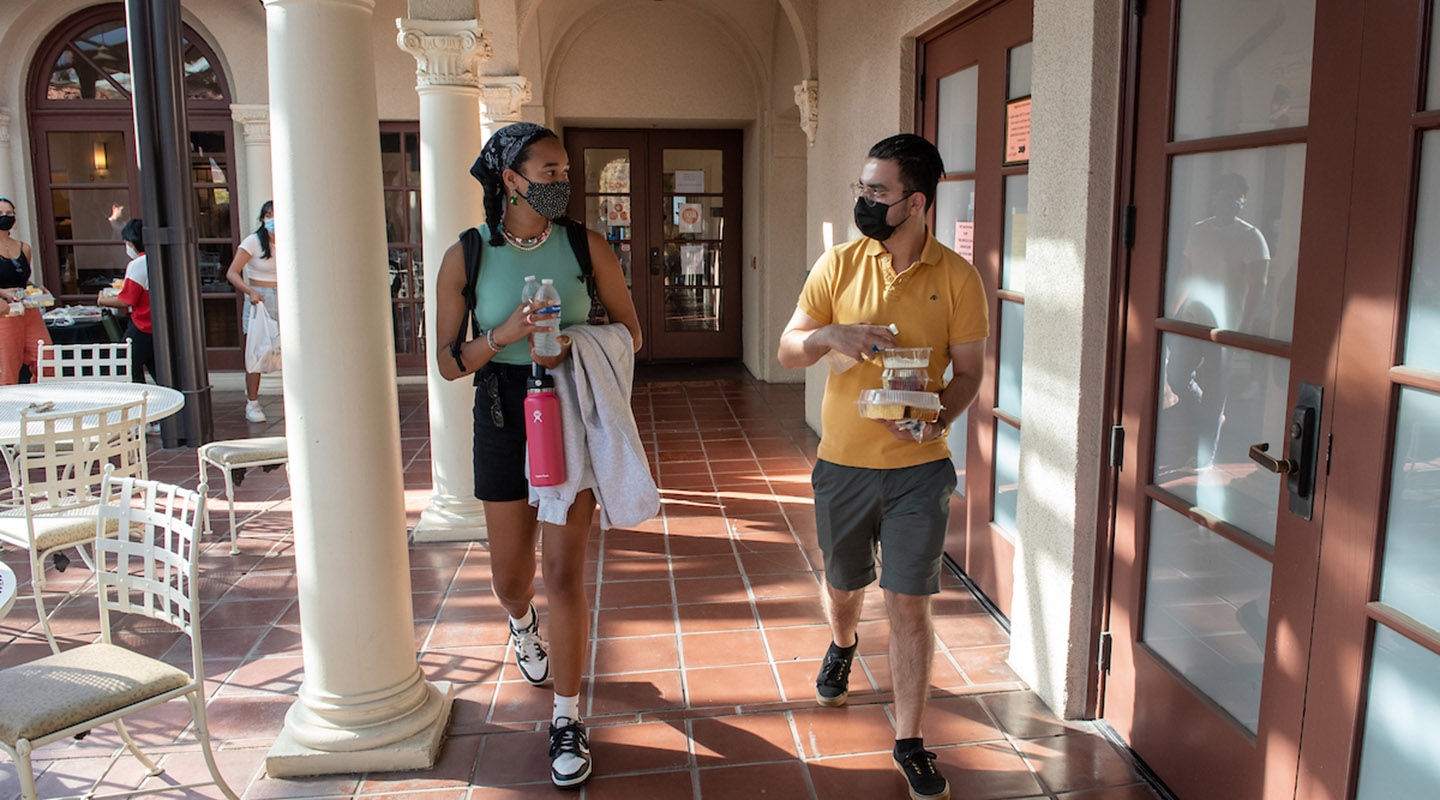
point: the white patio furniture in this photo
(104, 361)
(9, 588)
(149, 570)
(229, 455)
(60, 462)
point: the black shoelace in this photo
(836, 670)
(569, 739)
(921, 762)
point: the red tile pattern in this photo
(707, 634)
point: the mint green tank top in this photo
(502, 277)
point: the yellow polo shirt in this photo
(937, 302)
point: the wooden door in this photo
(976, 92)
(669, 204)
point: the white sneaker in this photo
(569, 753)
(253, 411)
(530, 655)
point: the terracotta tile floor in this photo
(708, 634)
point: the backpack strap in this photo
(472, 246)
(579, 237)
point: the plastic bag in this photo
(262, 343)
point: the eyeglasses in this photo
(492, 388)
(872, 194)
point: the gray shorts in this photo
(904, 512)
(272, 306)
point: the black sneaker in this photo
(926, 782)
(530, 655)
(832, 686)
(569, 753)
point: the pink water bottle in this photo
(543, 435)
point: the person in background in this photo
(524, 174)
(20, 333)
(253, 274)
(135, 296)
(878, 483)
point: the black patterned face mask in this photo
(549, 199)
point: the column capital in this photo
(256, 122)
(447, 52)
(807, 98)
(503, 96)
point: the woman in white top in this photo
(253, 273)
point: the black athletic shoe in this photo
(569, 753)
(832, 686)
(926, 782)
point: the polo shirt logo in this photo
(934, 297)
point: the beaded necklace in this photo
(527, 244)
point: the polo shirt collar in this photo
(929, 254)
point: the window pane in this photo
(399, 274)
(1206, 604)
(692, 264)
(1234, 235)
(92, 214)
(1402, 721)
(106, 47)
(222, 322)
(1243, 68)
(1215, 402)
(955, 216)
(86, 269)
(1007, 477)
(692, 218)
(609, 214)
(1017, 216)
(693, 171)
(1011, 367)
(201, 82)
(390, 159)
(1432, 84)
(212, 213)
(1411, 568)
(692, 309)
(214, 262)
(607, 171)
(405, 338)
(88, 157)
(208, 159)
(959, 439)
(412, 160)
(1423, 324)
(1020, 58)
(956, 109)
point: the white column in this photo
(448, 54)
(503, 95)
(364, 705)
(255, 130)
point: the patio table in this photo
(7, 589)
(77, 396)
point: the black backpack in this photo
(473, 246)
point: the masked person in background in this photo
(22, 332)
(252, 273)
(876, 483)
(135, 296)
(524, 174)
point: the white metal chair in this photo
(229, 455)
(59, 466)
(104, 361)
(149, 570)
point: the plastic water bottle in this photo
(544, 439)
(547, 342)
(531, 287)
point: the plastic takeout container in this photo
(891, 404)
(905, 357)
(916, 379)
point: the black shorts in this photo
(500, 433)
(902, 512)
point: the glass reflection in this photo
(1243, 65)
(1234, 234)
(1206, 611)
(955, 217)
(695, 309)
(956, 114)
(1020, 61)
(1007, 478)
(1012, 347)
(1215, 402)
(1423, 323)
(90, 157)
(1402, 721)
(1410, 577)
(1017, 217)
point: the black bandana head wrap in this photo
(503, 147)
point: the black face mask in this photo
(870, 219)
(7, 221)
(549, 199)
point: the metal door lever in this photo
(1259, 453)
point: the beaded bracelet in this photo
(490, 340)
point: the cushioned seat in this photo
(229, 455)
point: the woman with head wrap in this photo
(20, 333)
(524, 172)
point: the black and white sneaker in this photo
(569, 753)
(530, 650)
(926, 782)
(832, 685)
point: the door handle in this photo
(654, 261)
(1299, 469)
(1259, 453)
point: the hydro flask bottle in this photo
(543, 437)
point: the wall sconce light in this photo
(101, 158)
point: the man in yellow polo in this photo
(881, 483)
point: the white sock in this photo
(525, 621)
(566, 707)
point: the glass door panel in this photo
(957, 108)
(1402, 721)
(1423, 320)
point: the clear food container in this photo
(905, 357)
(891, 404)
(910, 379)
